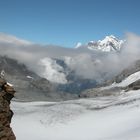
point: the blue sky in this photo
(66, 22)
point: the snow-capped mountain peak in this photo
(109, 39)
(108, 44)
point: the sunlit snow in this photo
(101, 118)
(129, 80)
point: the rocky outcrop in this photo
(133, 86)
(100, 92)
(6, 94)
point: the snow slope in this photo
(129, 80)
(101, 118)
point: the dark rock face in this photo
(6, 94)
(134, 86)
(98, 92)
(77, 86)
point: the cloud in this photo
(87, 64)
(102, 66)
(12, 39)
(131, 51)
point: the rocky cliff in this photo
(6, 94)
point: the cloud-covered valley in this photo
(88, 64)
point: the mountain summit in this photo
(108, 44)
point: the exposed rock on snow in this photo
(126, 82)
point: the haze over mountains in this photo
(79, 60)
(69, 70)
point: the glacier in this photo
(100, 118)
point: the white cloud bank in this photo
(4, 38)
(87, 64)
